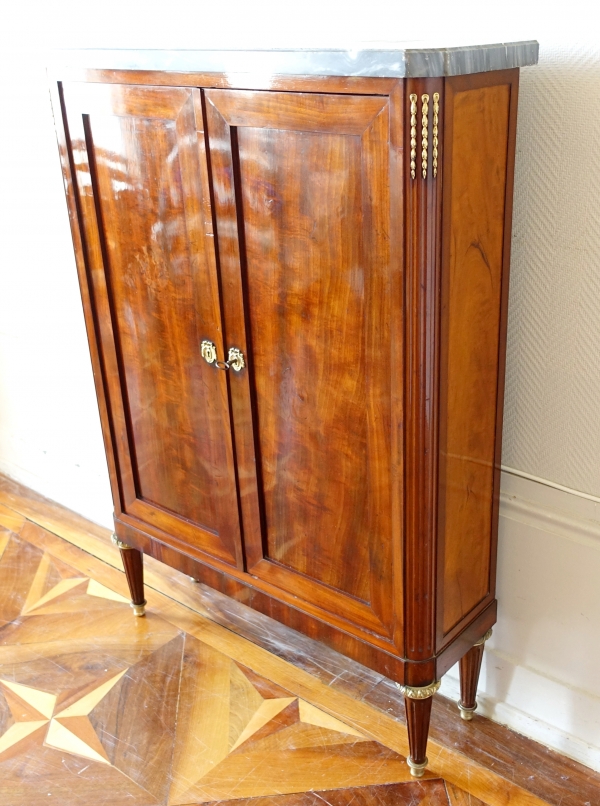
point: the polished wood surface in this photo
(345, 481)
(432, 793)
(133, 565)
(470, 666)
(458, 797)
(82, 683)
(353, 85)
(97, 707)
(316, 305)
(501, 767)
(477, 133)
(150, 255)
(421, 291)
(418, 714)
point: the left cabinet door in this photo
(142, 184)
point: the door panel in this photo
(143, 188)
(302, 203)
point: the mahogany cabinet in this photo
(295, 290)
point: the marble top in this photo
(393, 60)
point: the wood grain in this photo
(316, 307)
(470, 666)
(354, 85)
(422, 213)
(17, 573)
(458, 797)
(510, 757)
(359, 446)
(304, 112)
(471, 315)
(156, 299)
(477, 120)
(136, 708)
(75, 529)
(10, 519)
(453, 765)
(425, 793)
(133, 564)
(418, 714)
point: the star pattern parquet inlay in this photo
(98, 707)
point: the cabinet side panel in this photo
(476, 163)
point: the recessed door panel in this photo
(302, 201)
(143, 188)
(474, 274)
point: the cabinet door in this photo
(311, 272)
(142, 183)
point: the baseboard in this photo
(538, 687)
(557, 510)
(74, 487)
(540, 671)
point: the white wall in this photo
(541, 674)
(552, 428)
(540, 670)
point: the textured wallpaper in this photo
(552, 416)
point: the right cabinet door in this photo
(307, 199)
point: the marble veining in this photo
(394, 60)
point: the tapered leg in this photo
(470, 666)
(417, 701)
(133, 563)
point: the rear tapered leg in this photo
(133, 563)
(470, 666)
(417, 701)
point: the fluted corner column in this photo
(418, 701)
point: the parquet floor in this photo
(98, 707)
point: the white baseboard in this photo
(568, 514)
(541, 669)
(73, 487)
(555, 694)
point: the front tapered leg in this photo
(470, 666)
(417, 701)
(133, 563)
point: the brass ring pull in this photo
(235, 361)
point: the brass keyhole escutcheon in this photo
(208, 351)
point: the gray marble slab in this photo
(394, 60)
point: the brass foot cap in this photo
(466, 713)
(194, 579)
(139, 609)
(417, 770)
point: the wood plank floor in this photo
(205, 701)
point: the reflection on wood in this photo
(458, 797)
(176, 709)
(424, 793)
(141, 711)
